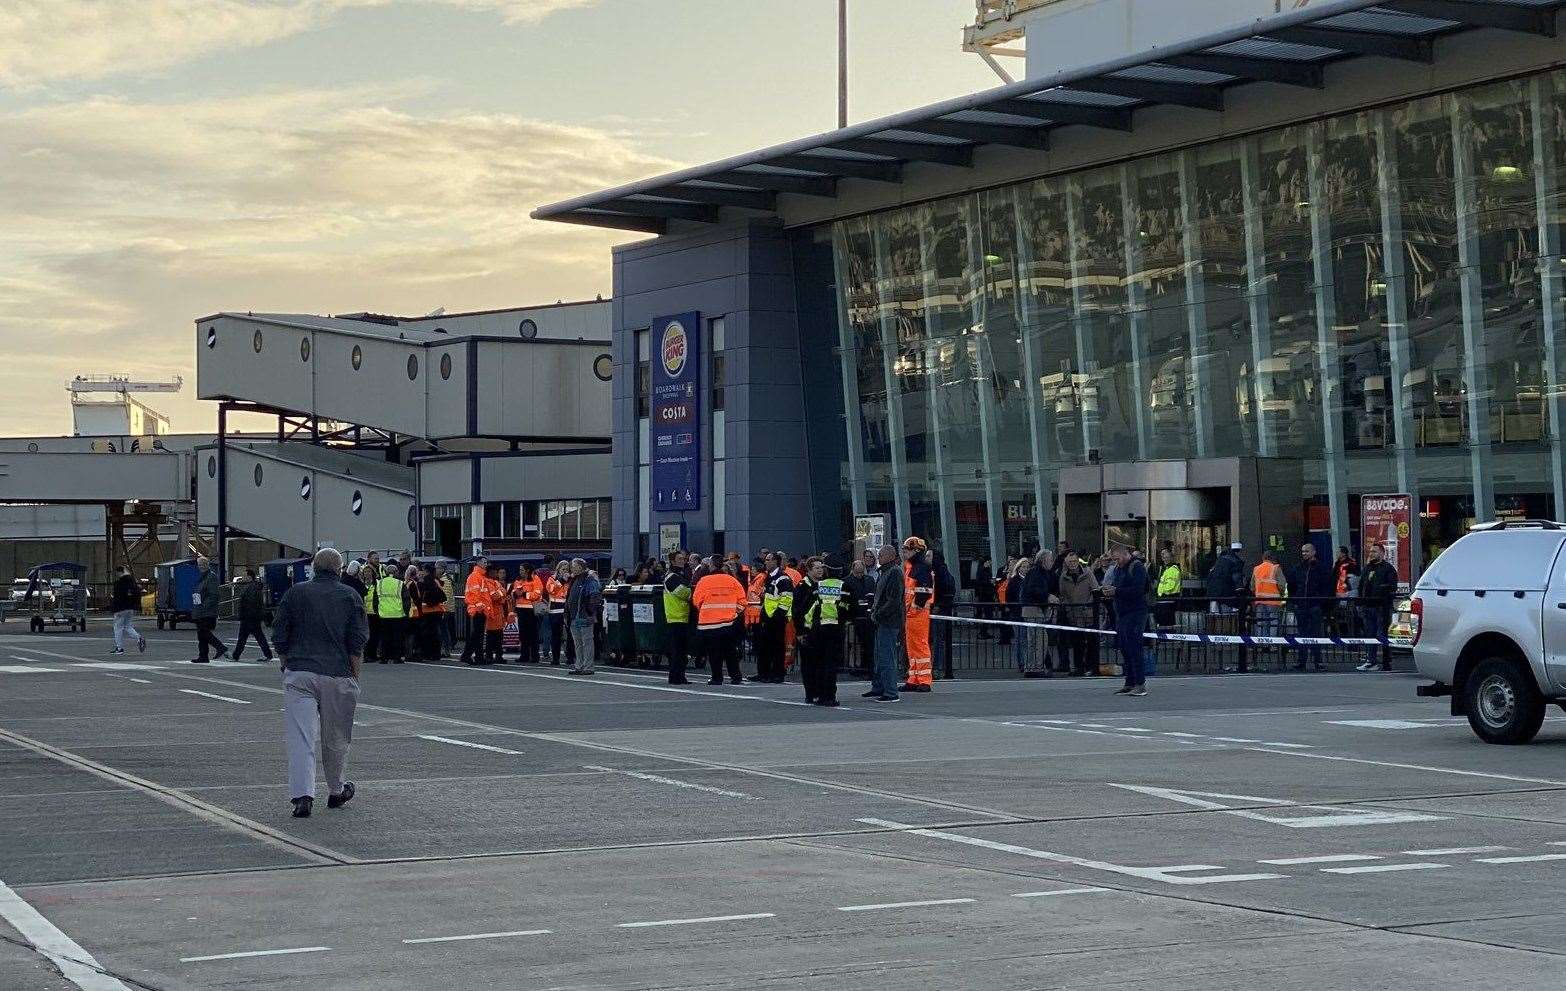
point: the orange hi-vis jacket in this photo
(1267, 579)
(758, 584)
(495, 617)
(525, 592)
(557, 591)
(719, 599)
(473, 595)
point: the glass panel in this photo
(1047, 286)
(1217, 252)
(1100, 393)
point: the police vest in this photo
(777, 596)
(677, 604)
(1169, 581)
(388, 598)
(823, 611)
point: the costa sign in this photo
(676, 414)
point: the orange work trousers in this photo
(917, 634)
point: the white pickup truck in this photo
(1489, 625)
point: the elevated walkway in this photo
(87, 476)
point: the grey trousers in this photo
(317, 708)
(582, 636)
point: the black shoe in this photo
(268, 659)
(887, 698)
(870, 695)
(682, 681)
(342, 798)
(222, 654)
(199, 660)
(809, 700)
(1124, 691)
(236, 656)
(715, 682)
(828, 703)
(302, 807)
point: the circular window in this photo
(603, 367)
(357, 357)
(212, 467)
(258, 475)
(304, 349)
(304, 487)
(356, 504)
(440, 330)
(211, 337)
(528, 329)
(32, 447)
(255, 341)
(445, 366)
(413, 367)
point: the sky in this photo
(163, 160)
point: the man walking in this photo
(125, 602)
(1377, 589)
(204, 611)
(252, 614)
(584, 604)
(677, 589)
(888, 611)
(1129, 592)
(320, 634)
(1310, 588)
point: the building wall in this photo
(1070, 33)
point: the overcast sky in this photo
(167, 159)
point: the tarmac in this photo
(519, 828)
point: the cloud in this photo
(124, 221)
(44, 41)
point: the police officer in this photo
(817, 617)
(677, 587)
(777, 602)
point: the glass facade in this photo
(1374, 299)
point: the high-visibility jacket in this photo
(388, 598)
(1169, 580)
(1267, 581)
(719, 599)
(756, 585)
(495, 615)
(556, 590)
(473, 593)
(369, 594)
(779, 594)
(919, 581)
(793, 575)
(677, 598)
(525, 592)
(824, 603)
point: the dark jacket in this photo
(208, 588)
(126, 594)
(1378, 585)
(1312, 581)
(1131, 592)
(804, 598)
(945, 586)
(353, 582)
(252, 601)
(320, 625)
(585, 601)
(887, 608)
(984, 584)
(1038, 587)
(857, 594)
(1226, 580)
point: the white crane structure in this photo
(104, 406)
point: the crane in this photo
(122, 384)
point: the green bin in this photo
(646, 604)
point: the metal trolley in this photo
(56, 596)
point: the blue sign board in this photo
(675, 431)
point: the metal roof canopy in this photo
(1291, 49)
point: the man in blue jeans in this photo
(887, 611)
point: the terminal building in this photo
(1190, 280)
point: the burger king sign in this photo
(675, 428)
(676, 349)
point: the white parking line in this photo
(1383, 868)
(1455, 850)
(1521, 860)
(256, 953)
(471, 936)
(661, 780)
(1335, 858)
(471, 744)
(887, 905)
(1062, 891)
(74, 963)
(26, 669)
(209, 695)
(1234, 739)
(695, 922)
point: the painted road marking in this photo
(469, 743)
(696, 922)
(1234, 739)
(1521, 860)
(1335, 858)
(1411, 767)
(256, 953)
(126, 677)
(1455, 850)
(1330, 815)
(676, 782)
(209, 695)
(27, 669)
(1106, 729)
(75, 963)
(471, 936)
(1187, 736)
(118, 666)
(1383, 868)
(1385, 723)
(1146, 873)
(1062, 891)
(923, 904)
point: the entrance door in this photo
(1130, 533)
(448, 538)
(1196, 544)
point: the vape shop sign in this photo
(1387, 519)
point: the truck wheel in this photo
(1504, 703)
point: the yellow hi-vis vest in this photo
(388, 598)
(778, 595)
(823, 612)
(677, 604)
(1169, 580)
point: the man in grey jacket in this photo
(204, 610)
(888, 611)
(320, 632)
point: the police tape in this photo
(1218, 638)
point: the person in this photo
(1011, 596)
(370, 574)
(125, 602)
(817, 617)
(677, 617)
(476, 600)
(1345, 585)
(1129, 592)
(448, 618)
(889, 612)
(919, 583)
(1166, 592)
(1038, 591)
(412, 612)
(1310, 589)
(555, 587)
(1377, 589)
(1268, 593)
(777, 600)
(858, 590)
(984, 595)
(944, 604)
(495, 617)
(320, 632)
(204, 612)
(387, 596)
(1225, 588)
(872, 566)
(432, 613)
(719, 601)
(252, 614)
(584, 604)
(351, 577)
(619, 576)
(527, 596)
(1077, 590)
(1006, 606)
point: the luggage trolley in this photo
(56, 596)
